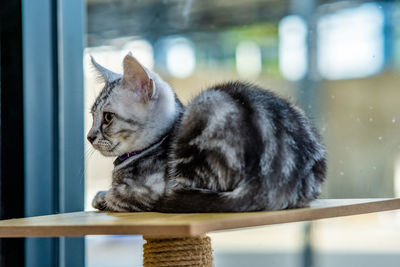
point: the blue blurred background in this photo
(338, 60)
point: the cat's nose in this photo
(91, 138)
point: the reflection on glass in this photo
(351, 42)
(293, 47)
(180, 54)
(248, 59)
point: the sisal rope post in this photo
(177, 251)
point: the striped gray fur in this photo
(234, 147)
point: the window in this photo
(333, 59)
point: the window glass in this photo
(338, 60)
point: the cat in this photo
(234, 148)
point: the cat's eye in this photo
(107, 117)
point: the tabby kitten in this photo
(234, 147)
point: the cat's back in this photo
(220, 135)
(222, 108)
(242, 96)
(212, 138)
(238, 101)
(231, 96)
(239, 138)
(233, 111)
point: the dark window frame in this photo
(11, 121)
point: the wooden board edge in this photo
(295, 215)
(83, 230)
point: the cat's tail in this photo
(199, 200)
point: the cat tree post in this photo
(177, 251)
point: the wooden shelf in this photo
(164, 224)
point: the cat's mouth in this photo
(111, 150)
(108, 152)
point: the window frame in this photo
(54, 135)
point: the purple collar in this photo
(126, 156)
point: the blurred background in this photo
(338, 60)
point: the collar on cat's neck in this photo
(126, 156)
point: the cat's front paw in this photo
(99, 201)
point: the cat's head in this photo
(132, 111)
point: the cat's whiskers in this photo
(89, 151)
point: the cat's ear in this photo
(137, 79)
(106, 75)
